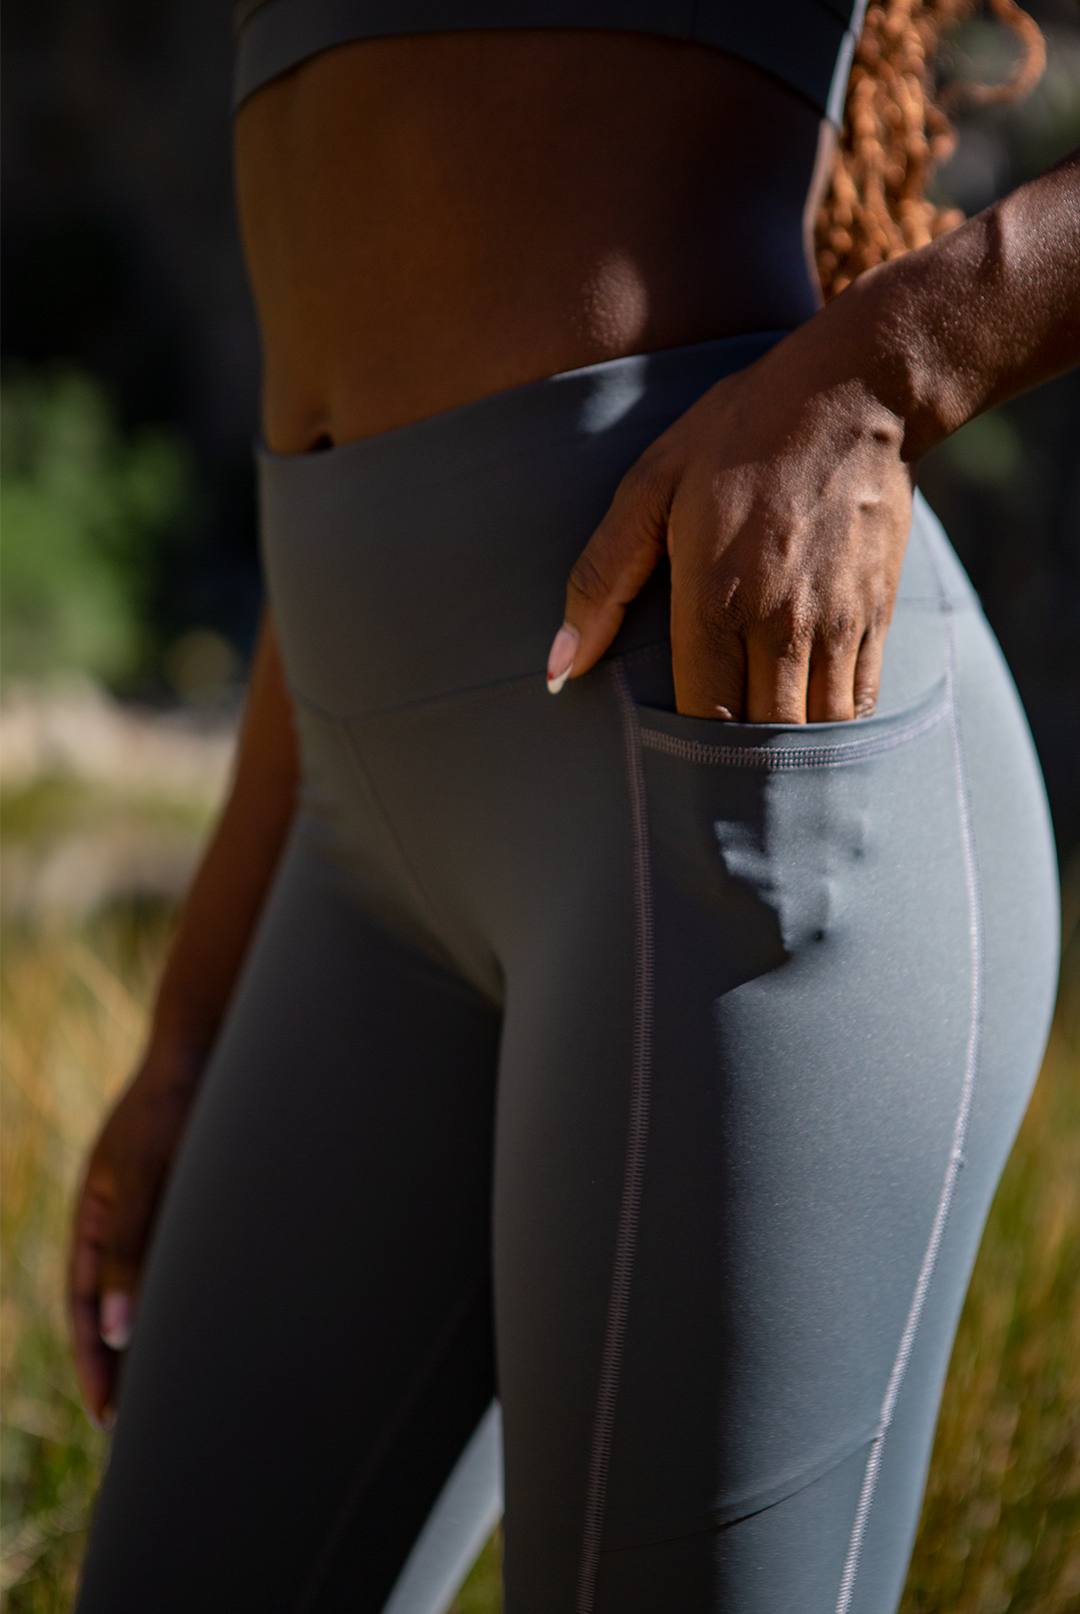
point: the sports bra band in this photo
(806, 44)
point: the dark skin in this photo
(431, 219)
(130, 1161)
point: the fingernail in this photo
(105, 1422)
(114, 1320)
(561, 660)
(722, 711)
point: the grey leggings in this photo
(650, 1075)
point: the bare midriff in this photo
(432, 218)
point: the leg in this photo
(314, 1349)
(842, 974)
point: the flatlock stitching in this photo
(636, 1146)
(804, 756)
(960, 1128)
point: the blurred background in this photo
(129, 603)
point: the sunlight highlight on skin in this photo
(616, 305)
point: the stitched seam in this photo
(243, 13)
(469, 695)
(636, 1145)
(804, 756)
(419, 895)
(495, 691)
(960, 1128)
(725, 1517)
(354, 1496)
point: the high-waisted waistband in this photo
(434, 558)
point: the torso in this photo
(432, 218)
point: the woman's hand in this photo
(783, 504)
(132, 1157)
(113, 1218)
(783, 496)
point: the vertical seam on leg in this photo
(636, 1145)
(963, 1116)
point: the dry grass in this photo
(1001, 1523)
(73, 1006)
(1001, 1527)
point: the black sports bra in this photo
(807, 44)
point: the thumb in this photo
(121, 1261)
(115, 1319)
(611, 570)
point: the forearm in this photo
(230, 886)
(976, 317)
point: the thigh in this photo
(313, 1349)
(1015, 912)
(811, 1014)
(754, 1103)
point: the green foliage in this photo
(85, 509)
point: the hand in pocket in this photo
(783, 503)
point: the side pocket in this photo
(773, 746)
(810, 1016)
(773, 829)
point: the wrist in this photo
(175, 1059)
(900, 341)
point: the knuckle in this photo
(842, 632)
(127, 1238)
(788, 629)
(122, 1254)
(590, 580)
(650, 479)
(879, 618)
(719, 607)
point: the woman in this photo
(644, 1057)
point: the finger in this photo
(830, 693)
(611, 570)
(121, 1262)
(116, 1316)
(95, 1364)
(776, 682)
(709, 665)
(866, 680)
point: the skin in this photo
(429, 220)
(131, 1158)
(783, 497)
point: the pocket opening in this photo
(787, 745)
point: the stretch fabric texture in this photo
(647, 1076)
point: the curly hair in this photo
(895, 131)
